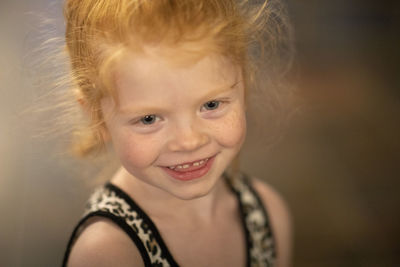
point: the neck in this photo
(198, 210)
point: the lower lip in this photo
(190, 175)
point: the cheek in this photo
(135, 151)
(231, 130)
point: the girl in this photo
(165, 82)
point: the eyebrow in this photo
(157, 110)
(220, 90)
(141, 111)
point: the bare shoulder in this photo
(280, 220)
(104, 244)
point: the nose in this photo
(187, 138)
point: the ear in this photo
(104, 133)
(102, 130)
(80, 98)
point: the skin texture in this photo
(184, 130)
(103, 244)
(198, 219)
(280, 221)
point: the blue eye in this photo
(148, 119)
(211, 105)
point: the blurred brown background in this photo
(337, 164)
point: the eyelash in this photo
(151, 116)
(217, 102)
(156, 118)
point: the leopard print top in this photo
(111, 202)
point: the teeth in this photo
(185, 166)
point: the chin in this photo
(198, 189)
(191, 195)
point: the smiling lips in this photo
(191, 170)
(189, 166)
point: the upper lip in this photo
(188, 162)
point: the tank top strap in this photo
(260, 240)
(111, 202)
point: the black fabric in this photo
(265, 213)
(147, 219)
(242, 219)
(117, 220)
(120, 221)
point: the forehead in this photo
(164, 72)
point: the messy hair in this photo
(252, 34)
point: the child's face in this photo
(171, 114)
